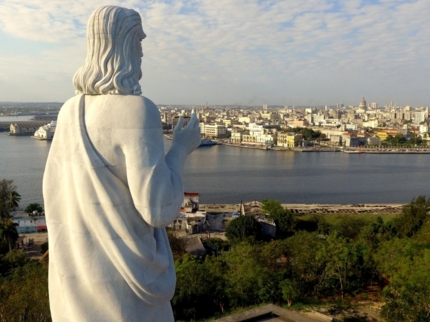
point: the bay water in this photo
(224, 174)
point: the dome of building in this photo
(363, 104)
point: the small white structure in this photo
(46, 132)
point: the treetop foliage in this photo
(33, 207)
(339, 259)
(307, 133)
(329, 261)
(243, 227)
(9, 198)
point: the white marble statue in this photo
(109, 188)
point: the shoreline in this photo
(357, 150)
(302, 209)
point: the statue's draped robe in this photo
(108, 261)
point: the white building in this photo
(255, 129)
(420, 116)
(424, 129)
(46, 132)
(371, 123)
(213, 130)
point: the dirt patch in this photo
(31, 243)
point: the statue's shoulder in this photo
(69, 108)
(134, 110)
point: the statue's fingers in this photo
(178, 126)
(192, 122)
(196, 124)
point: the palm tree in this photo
(13, 200)
(8, 232)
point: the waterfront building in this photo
(27, 224)
(336, 139)
(249, 139)
(289, 139)
(373, 140)
(25, 127)
(202, 128)
(236, 137)
(352, 139)
(45, 132)
(190, 219)
(255, 129)
(191, 202)
(383, 134)
(213, 130)
(268, 139)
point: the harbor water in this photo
(224, 174)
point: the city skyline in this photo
(305, 53)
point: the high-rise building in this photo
(265, 107)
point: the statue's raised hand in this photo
(188, 138)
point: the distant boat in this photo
(207, 143)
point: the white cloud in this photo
(227, 50)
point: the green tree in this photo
(307, 133)
(340, 259)
(307, 269)
(9, 198)
(245, 270)
(33, 207)
(200, 288)
(271, 207)
(289, 291)
(11, 261)
(243, 227)
(349, 227)
(285, 221)
(24, 294)
(8, 232)
(413, 216)
(405, 264)
(323, 226)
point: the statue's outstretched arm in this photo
(155, 179)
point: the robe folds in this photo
(109, 255)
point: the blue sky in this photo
(295, 52)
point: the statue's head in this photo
(112, 66)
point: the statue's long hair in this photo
(113, 60)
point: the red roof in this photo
(191, 194)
